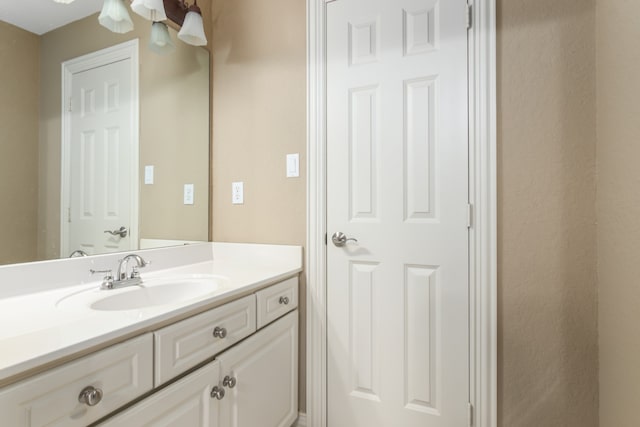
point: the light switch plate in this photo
(148, 174)
(237, 193)
(188, 194)
(293, 165)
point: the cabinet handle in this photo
(229, 381)
(217, 393)
(219, 332)
(284, 300)
(90, 396)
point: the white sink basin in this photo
(150, 293)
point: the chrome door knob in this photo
(340, 239)
(122, 232)
(229, 381)
(90, 396)
(219, 332)
(217, 393)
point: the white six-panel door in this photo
(397, 181)
(100, 187)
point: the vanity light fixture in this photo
(115, 17)
(161, 42)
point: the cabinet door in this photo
(112, 377)
(187, 402)
(265, 370)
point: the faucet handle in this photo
(107, 280)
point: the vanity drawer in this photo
(183, 345)
(277, 300)
(122, 373)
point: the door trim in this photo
(482, 195)
(119, 52)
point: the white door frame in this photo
(119, 52)
(482, 195)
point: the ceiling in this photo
(42, 16)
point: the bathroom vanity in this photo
(210, 338)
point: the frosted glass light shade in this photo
(63, 1)
(114, 16)
(192, 31)
(161, 42)
(152, 10)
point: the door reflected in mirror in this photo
(48, 211)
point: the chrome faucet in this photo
(122, 279)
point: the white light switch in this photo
(237, 193)
(148, 174)
(293, 165)
(188, 194)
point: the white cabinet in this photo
(265, 371)
(186, 403)
(183, 345)
(254, 384)
(111, 378)
(276, 300)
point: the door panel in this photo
(397, 154)
(101, 187)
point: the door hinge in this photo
(469, 17)
(325, 239)
(470, 414)
(69, 214)
(469, 215)
(70, 105)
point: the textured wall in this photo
(618, 65)
(19, 56)
(259, 104)
(174, 131)
(548, 363)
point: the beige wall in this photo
(174, 131)
(548, 364)
(618, 65)
(259, 104)
(19, 56)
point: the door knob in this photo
(122, 232)
(90, 396)
(340, 239)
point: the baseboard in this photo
(301, 421)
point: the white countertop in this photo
(48, 324)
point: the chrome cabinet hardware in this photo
(78, 253)
(340, 239)
(217, 393)
(284, 300)
(122, 232)
(219, 332)
(90, 396)
(229, 381)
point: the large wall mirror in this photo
(173, 137)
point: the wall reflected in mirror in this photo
(173, 137)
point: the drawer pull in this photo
(284, 300)
(229, 381)
(219, 332)
(90, 396)
(217, 393)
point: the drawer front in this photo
(183, 345)
(276, 301)
(186, 403)
(122, 373)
